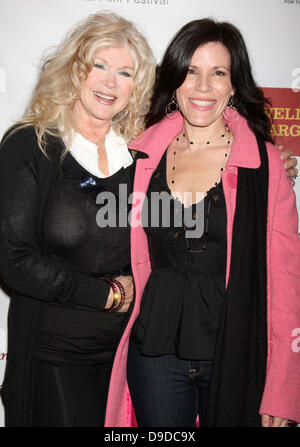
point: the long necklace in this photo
(207, 216)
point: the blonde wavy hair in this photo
(61, 75)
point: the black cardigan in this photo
(27, 177)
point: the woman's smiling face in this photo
(108, 87)
(207, 87)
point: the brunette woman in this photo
(212, 333)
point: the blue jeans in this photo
(167, 391)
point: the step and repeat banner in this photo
(270, 29)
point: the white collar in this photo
(85, 153)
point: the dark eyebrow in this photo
(220, 66)
(214, 68)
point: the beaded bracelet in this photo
(123, 295)
(115, 305)
(116, 295)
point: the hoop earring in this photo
(172, 106)
(230, 113)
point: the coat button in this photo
(232, 181)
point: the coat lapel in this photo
(154, 141)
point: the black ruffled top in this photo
(182, 300)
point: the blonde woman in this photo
(69, 276)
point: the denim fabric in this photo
(167, 391)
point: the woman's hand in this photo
(127, 283)
(270, 421)
(290, 163)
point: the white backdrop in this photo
(28, 27)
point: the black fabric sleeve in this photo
(23, 265)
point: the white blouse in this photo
(86, 153)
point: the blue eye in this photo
(101, 66)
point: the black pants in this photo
(70, 396)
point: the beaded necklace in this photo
(223, 135)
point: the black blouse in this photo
(71, 334)
(182, 300)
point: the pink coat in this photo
(281, 395)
